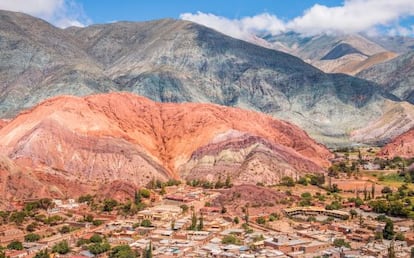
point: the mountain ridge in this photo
(180, 61)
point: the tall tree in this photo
(373, 190)
(137, 197)
(200, 223)
(391, 250)
(388, 231)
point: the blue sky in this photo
(236, 18)
(133, 10)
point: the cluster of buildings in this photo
(168, 231)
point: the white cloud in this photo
(62, 13)
(238, 28)
(352, 17)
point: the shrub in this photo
(61, 248)
(31, 237)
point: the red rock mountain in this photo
(2, 123)
(402, 146)
(101, 139)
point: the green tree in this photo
(42, 254)
(388, 231)
(31, 227)
(45, 203)
(303, 181)
(122, 251)
(162, 192)
(353, 213)
(228, 183)
(31, 237)
(15, 245)
(391, 250)
(287, 181)
(146, 223)
(145, 193)
(200, 223)
(261, 220)
(306, 199)
(109, 205)
(339, 242)
(193, 225)
(334, 189)
(230, 239)
(65, 229)
(373, 190)
(17, 217)
(400, 236)
(386, 190)
(86, 198)
(88, 218)
(96, 238)
(97, 222)
(61, 247)
(82, 242)
(273, 216)
(147, 251)
(99, 248)
(137, 198)
(184, 208)
(236, 220)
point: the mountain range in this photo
(179, 61)
(121, 138)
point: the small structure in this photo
(315, 211)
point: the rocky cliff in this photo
(396, 76)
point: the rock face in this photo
(347, 54)
(397, 119)
(179, 61)
(121, 137)
(2, 123)
(396, 76)
(402, 146)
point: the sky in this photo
(235, 18)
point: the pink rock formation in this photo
(402, 146)
(124, 137)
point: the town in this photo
(297, 218)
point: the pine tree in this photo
(147, 253)
(388, 231)
(200, 223)
(391, 250)
(193, 221)
(373, 191)
(246, 214)
(162, 192)
(228, 183)
(365, 193)
(137, 197)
